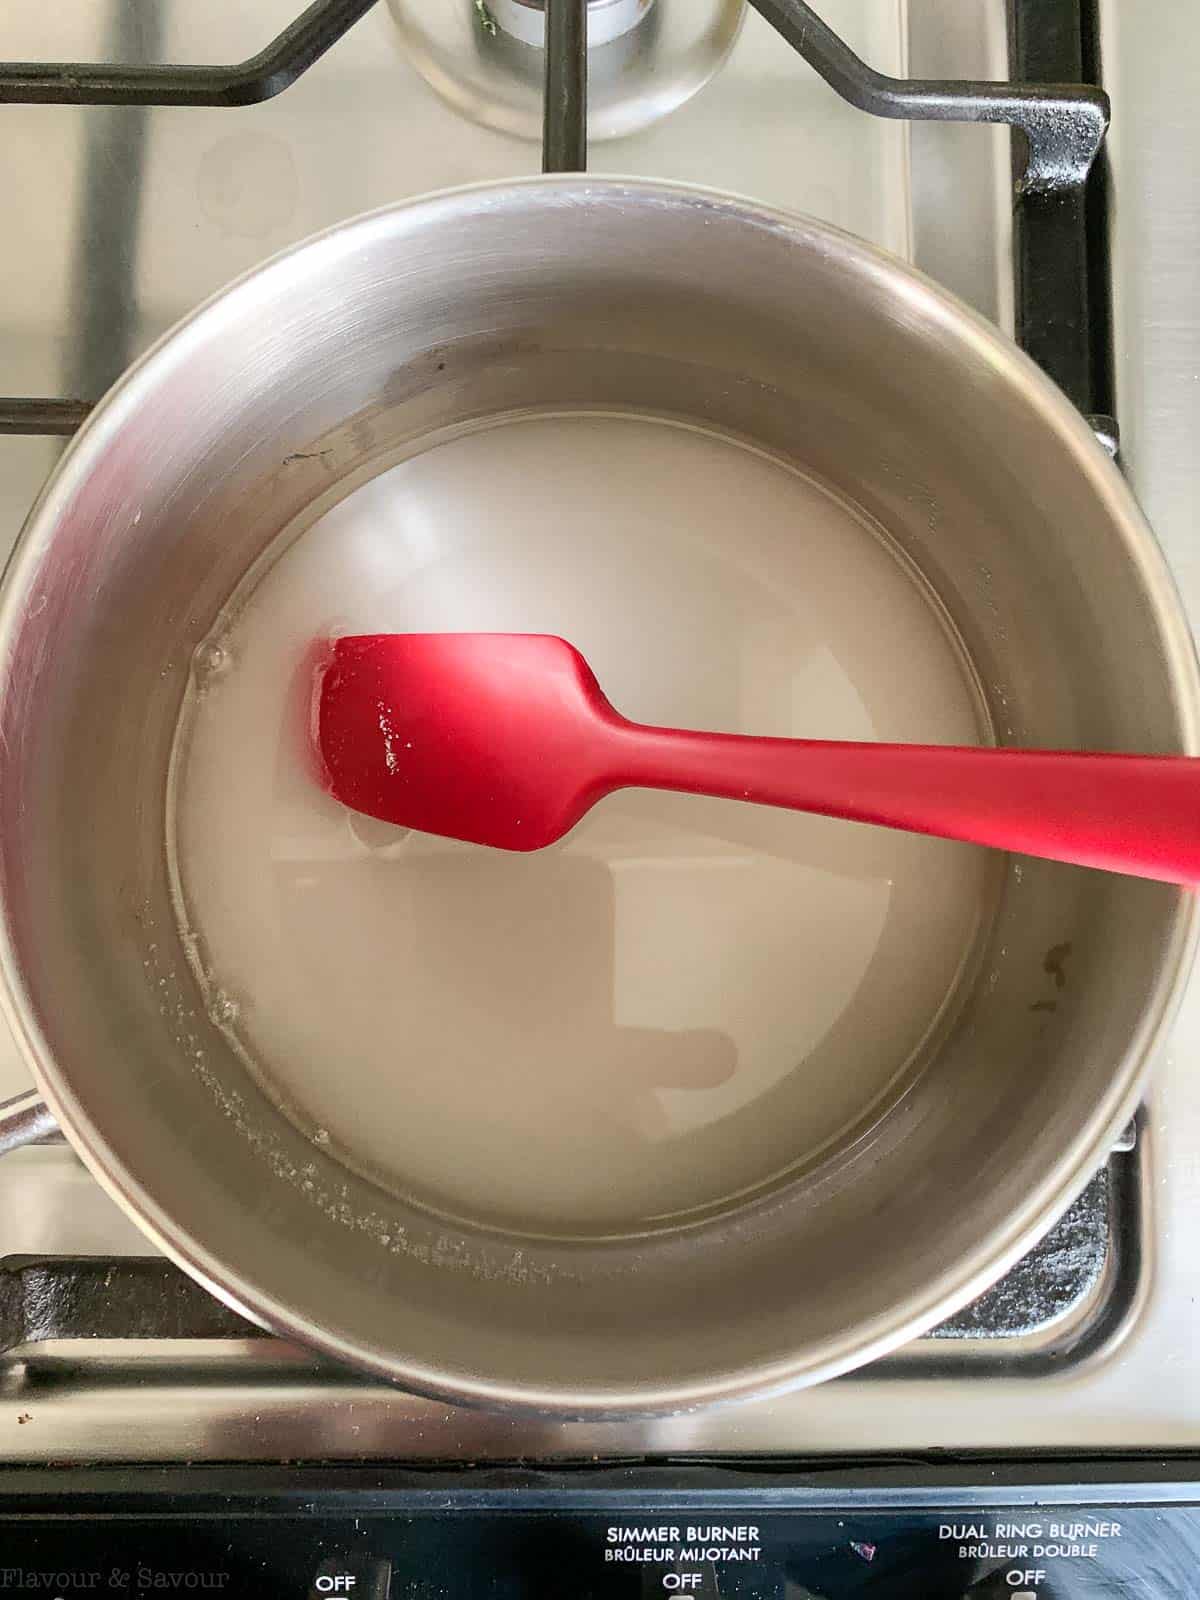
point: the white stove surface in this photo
(126, 218)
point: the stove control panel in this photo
(597, 1534)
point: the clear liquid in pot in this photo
(686, 999)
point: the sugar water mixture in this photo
(686, 998)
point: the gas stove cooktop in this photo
(125, 215)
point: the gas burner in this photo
(646, 57)
(526, 19)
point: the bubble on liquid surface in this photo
(223, 1009)
(374, 834)
(211, 661)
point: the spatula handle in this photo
(1126, 813)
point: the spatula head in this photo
(500, 739)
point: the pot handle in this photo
(25, 1119)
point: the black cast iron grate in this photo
(1059, 117)
(1058, 114)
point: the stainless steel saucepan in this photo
(559, 293)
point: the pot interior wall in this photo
(314, 372)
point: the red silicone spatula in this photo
(507, 740)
